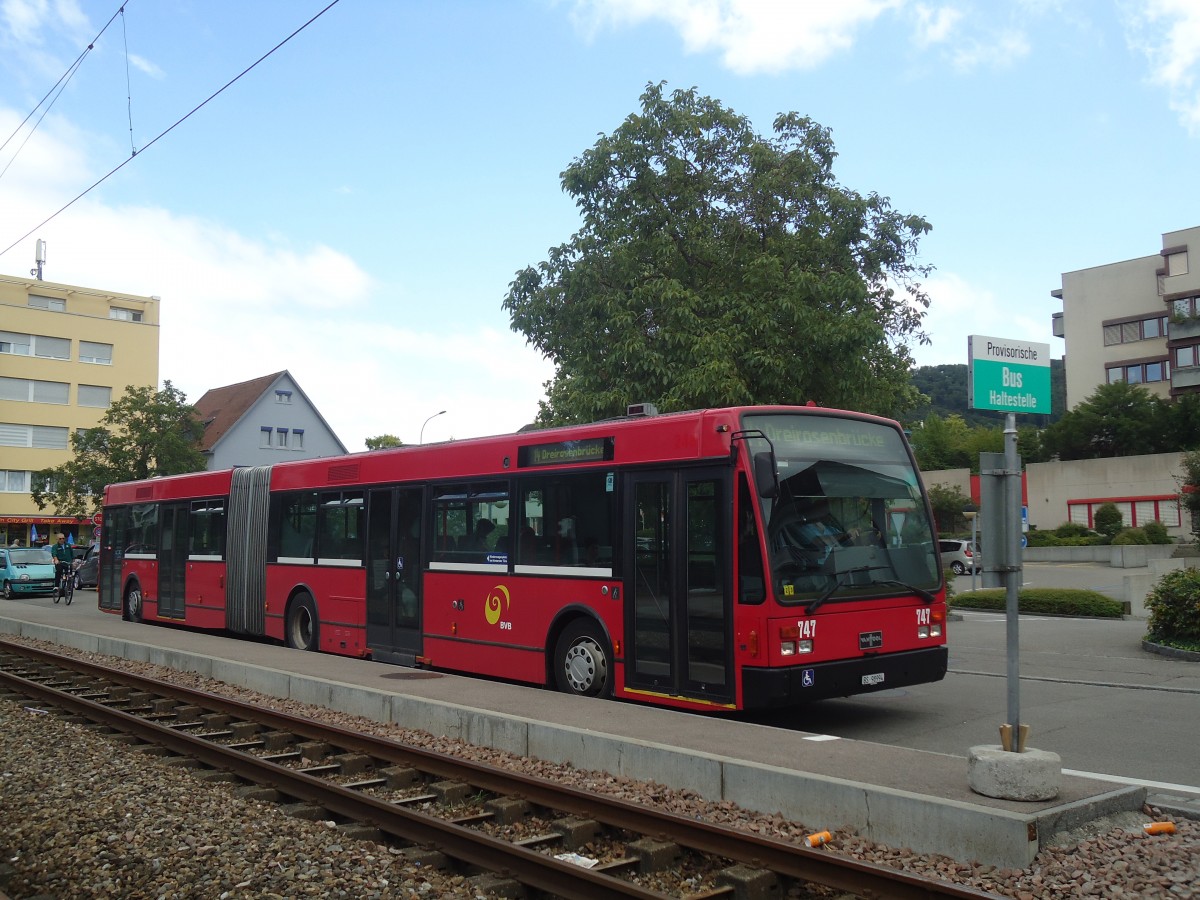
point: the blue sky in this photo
(354, 208)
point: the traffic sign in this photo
(1008, 375)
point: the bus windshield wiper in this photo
(816, 603)
(920, 592)
(813, 605)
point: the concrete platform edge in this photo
(922, 823)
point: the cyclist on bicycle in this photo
(63, 559)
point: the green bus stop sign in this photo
(1008, 375)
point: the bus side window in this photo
(751, 583)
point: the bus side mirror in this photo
(765, 479)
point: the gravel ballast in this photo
(83, 817)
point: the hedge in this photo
(1043, 601)
(1174, 607)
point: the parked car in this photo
(960, 556)
(26, 571)
(87, 570)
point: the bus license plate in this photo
(877, 678)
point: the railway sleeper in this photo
(450, 793)
(353, 763)
(750, 883)
(493, 885)
(654, 855)
(575, 832)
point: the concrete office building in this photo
(1136, 321)
(66, 353)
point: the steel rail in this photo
(791, 860)
(474, 848)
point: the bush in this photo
(1044, 601)
(1131, 536)
(1174, 607)
(1157, 532)
(1108, 519)
(1051, 539)
(1071, 529)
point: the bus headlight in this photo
(790, 643)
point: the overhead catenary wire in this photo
(167, 130)
(128, 85)
(59, 86)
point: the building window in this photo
(14, 481)
(1177, 263)
(1135, 511)
(30, 390)
(1140, 330)
(94, 395)
(283, 396)
(1185, 356)
(35, 345)
(298, 439)
(1139, 373)
(16, 344)
(124, 315)
(54, 304)
(39, 437)
(281, 437)
(1185, 308)
(92, 352)
(264, 436)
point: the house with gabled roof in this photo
(261, 422)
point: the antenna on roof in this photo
(40, 258)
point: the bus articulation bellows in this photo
(709, 560)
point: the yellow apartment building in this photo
(66, 353)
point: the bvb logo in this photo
(497, 599)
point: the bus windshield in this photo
(849, 519)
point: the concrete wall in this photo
(1052, 485)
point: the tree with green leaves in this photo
(143, 434)
(1118, 419)
(383, 441)
(717, 266)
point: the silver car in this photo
(960, 556)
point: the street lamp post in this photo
(421, 439)
(971, 512)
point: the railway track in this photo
(520, 833)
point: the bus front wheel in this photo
(582, 661)
(302, 625)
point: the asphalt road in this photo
(1087, 690)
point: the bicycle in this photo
(64, 588)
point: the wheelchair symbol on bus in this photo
(808, 678)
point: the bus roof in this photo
(635, 440)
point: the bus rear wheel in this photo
(303, 629)
(582, 661)
(133, 604)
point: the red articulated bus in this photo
(709, 560)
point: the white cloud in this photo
(958, 309)
(997, 51)
(1168, 33)
(934, 26)
(237, 306)
(751, 35)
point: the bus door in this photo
(394, 574)
(678, 616)
(172, 560)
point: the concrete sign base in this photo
(1029, 775)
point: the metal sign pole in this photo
(1012, 575)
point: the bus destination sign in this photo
(585, 450)
(1008, 375)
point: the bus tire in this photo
(303, 628)
(133, 603)
(582, 661)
